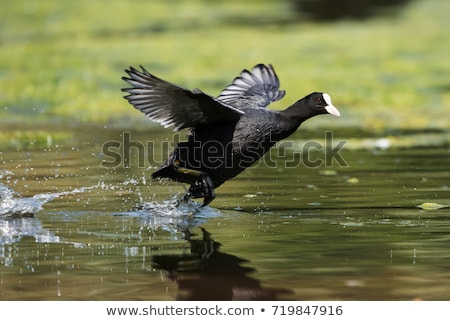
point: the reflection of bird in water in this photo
(208, 274)
(228, 133)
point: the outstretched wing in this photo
(256, 88)
(171, 105)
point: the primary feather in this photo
(171, 105)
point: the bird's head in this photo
(321, 104)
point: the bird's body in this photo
(228, 133)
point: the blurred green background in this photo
(61, 62)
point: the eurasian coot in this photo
(228, 133)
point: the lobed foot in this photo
(203, 187)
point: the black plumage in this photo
(228, 133)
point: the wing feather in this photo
(171, 105)
(256, 88)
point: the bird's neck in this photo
(298, 112)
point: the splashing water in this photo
(172, 215)
(176, 206)
(12, 205)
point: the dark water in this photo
(344, 228)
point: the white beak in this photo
(330, 108)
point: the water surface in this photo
(72, 229)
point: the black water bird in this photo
(227, 133)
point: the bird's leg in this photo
(202, 187)
(208, 188)
(201, 183)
